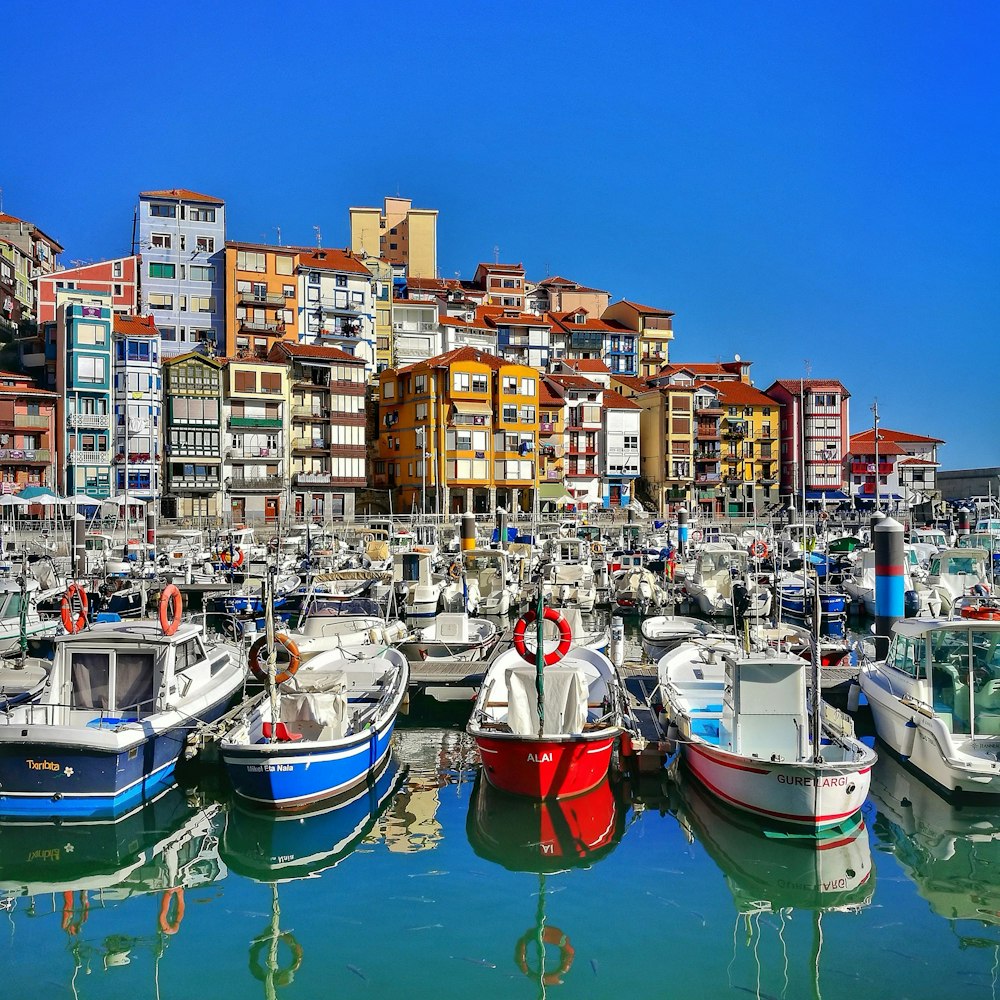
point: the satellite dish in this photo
(736, 357)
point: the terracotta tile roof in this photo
(30, 390)
(700, 368)
(218, 362)
(332, 259)
(521, 319)
(886, 434)
(917, 461)
(136, 326)
(317, 351)
(616, 401)
(587, 365)
(885, 448)
(519, 268)
(546, 397)
(13, 219)
(182, 194)
(565, 323)
(460, 354)
(648, 310)
(575, 382)
(633, 382)
(740, 394)
(453, 321)
(567, 284)
(792, 385)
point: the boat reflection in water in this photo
(951, 851)
(545, 836)
(770, 874)
(163, 847)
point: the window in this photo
(282, 264)
(198, 272)
(247, 260)
(163, 211)
(527, 414)
(509, 385)
(162, 240)
(202, 303)
(162, 270)
(156, 300)
(246, 381)
(204, 244)
(421, 411)
(420, 383)
(388, 390)
(631, 442)
(460, 382)
(201, 214)
(90, 368)
(479, 383)
(510, 413)
(527, 387)
(90, 333)
(270, 381)
(288, 291)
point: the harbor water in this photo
(430, 883)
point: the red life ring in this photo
(982, 612)
(282, 977)
(167, 925)
(259, 670)
(550, 935)
(697, 535)
(171, 606)
(234, 558)
(74, 621)
(758, 549)
(549, 615)
(72, 920)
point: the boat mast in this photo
(540, 657)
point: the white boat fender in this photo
(908, 739)
(853, 697)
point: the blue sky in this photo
(798, 181)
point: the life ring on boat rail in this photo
(367, 538)
(174, 895)
(74, 618)
(281, 976)
(72, 918)
(234, 558)
(549, 615)
(259, 669)
(550, 935)
(171, 606)
(697, 535)
(597, 548)
(455, 571)
(422, 549)
(758, 549)
(981, 612)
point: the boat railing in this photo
(64, 714)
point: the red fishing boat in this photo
(546, 720)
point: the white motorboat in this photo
(748, 733)
(489, 575)
(935, 699)
(719, 573)
(329, 622)
(568, 580)
(418, 589)
(661, 633)
(958, 573)
(451, 637)
(638, 591)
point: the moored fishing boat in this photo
(451, 637)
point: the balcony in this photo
(269, 299)
(311, 444)
(252, 454)
(705, 494)
(707, 456)
(711, 410)
(708, 477)
(706, 432)
(546, 427)
(312, 478)
(248, 484)
(554, 475)
(735, 432)
(31, 421)
(136, 458)
(193, 484)
(80, 457)
(255, 422)
(32, 456)
(267, 329)
(90, 421)
(732, 478)
(868, 468)
(328, 305)
(311, 412)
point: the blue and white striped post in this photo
(889, 586)
(682, 531)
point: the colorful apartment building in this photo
(326, 428)
(182, 236)
(42, 250)
(619, 447)
(653, 327)
(81, 338)
(137, 406)
(28, 434)
(584, 422)
(521, 337)
(907, 467)
(502, 283)
(399, 234)
(381, 272)
(337, 303)
(255, 460)
(475, 418)
(558, 294)
(262, 298)
(17, 294)
(813, 437)
(552, 485)
(416, 335)
(577, 334)
(192, 437)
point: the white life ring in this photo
(697, 535)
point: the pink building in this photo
(27, 434)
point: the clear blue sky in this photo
(796, 180)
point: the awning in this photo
(472, 408)
(826, 495)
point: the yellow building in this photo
(399, 234)
(749, 454)
(261, 297)
(382, 274)
(551, 447)
(655, 329)
(475, 418)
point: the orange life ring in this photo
(259, 670)
(171, 606)
(74, 621)
(549, 615)
(758, 549)
(234, 558)
(981, 612)
(72, 920)
(167, 925)
(550, 935)
(282, 977)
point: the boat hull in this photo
(804, 795)
(546, 768)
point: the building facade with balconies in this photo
(653, 328)
(326, 428)
(582, 435)
(904, 465)
(521, 337)
(620, 448)
(813, 437)
(192, 437)
(17, 294)
(399, 234)
(558, 294)
(262, 298)
(459, 432)
(28, 435)
(552, 485)
(81, 337)
(416, 334)
(577, 334)
(337, 304)
(255, 463)
(182, 238)
(137, 406)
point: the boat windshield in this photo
(328, 607)
(958, 566)
(120, 680)
(966, 679)
(723, 562)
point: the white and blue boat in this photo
(113, 718)
(326, 729)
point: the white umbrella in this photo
(81, 500)
(45, 498)
(13, 500)
(564, 499)
(121, 500)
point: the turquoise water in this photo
(432, 885)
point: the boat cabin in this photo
(958, 571)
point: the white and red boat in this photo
(566, 748)
(748, 733)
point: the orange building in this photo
(261, 297)
(459, 432)
(27, 434)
